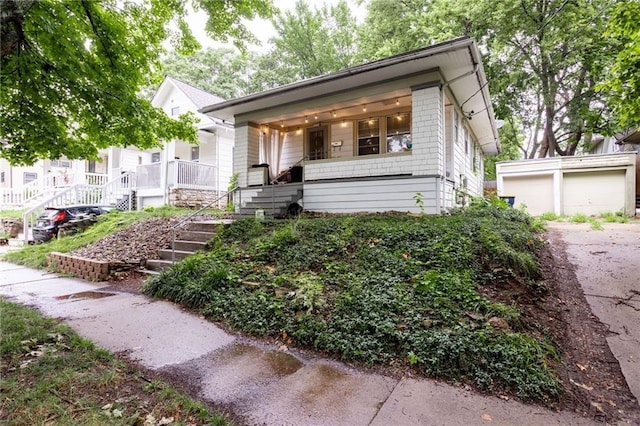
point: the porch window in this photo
(399, 132)
(1, 177)
(29, 177)
(195, 153)
(91, 166)
(369, 136)
(61, 163)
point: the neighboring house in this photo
(182, 174)
(176, 173)
(405, 133)
(605, 178)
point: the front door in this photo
(317, 143)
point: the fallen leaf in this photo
(581, 367)
(580, 385)
(166, 421)
(486, 417)
(505, 397)
(106, 407)
(117, 413)
(597, 406)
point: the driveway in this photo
(607, 265)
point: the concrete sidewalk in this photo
(607, 265)
(263, 385)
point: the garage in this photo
(534, 191)
(594, 192)
(582, 184)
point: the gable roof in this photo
(199, 97)
(458, 62)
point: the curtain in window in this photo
(271, 143)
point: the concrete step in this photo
(158, 265)
(200, 236)
(192, 246)
(167, 254)
(203, 226)
(149, 272)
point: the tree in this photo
(221, 71)
(623, 78)
(390, 28)
(71, 71)
(315, 42)
(544, 59)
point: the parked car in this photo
(49, 221)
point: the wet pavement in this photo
(607, 265)
(262, 384)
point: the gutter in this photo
(447, 46)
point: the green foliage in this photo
(314, 42)
(623, 77)
(35, 256)
(380, 290)
(15, 214)
(617, 217)
(48, 371)
(578, 218)
(549, 216)
(71, 71)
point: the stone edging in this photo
(88, 269)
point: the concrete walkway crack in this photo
(384, 402)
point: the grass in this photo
(15, 214)
(382, 290)
(595, 221)
(35, 256)
(50, 375)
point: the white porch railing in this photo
(47, 186)
(190, 175)
(149, 176)
(180, 174)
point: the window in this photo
(1, 177)
(155, 157)
(29, 177)
(399, 132)
(91, 166)
(474, 158)
(61, 163)
(369, 136)
(175, 111)
(195, 153)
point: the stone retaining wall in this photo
(10, 226)
(193, 198)
(88, 269)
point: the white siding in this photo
(292, 150)
(366, 166)
(341, 132)
(371, 195)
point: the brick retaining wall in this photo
(88, 269)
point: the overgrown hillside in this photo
(436, 294)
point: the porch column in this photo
(427, 130)
(246, 151)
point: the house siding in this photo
(375, 195)
(427, 131)
(342, 132)
(372, 165)
(292, 150)
(246, 151)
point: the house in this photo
(181, 174)
(405, 133)
(605, 178)
(176, 173)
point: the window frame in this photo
(368, 140)
(408, 141)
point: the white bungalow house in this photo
(177, 173)
(181, 174)
(405, 133)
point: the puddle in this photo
(269, 362)
(85, 295)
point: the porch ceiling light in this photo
(364, 108)
(315, 116)
(306, 119)
(397, 101)
(334, 113)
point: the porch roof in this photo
(458, 62)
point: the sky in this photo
(261, 28)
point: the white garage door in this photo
(535, 192)
(593, 193)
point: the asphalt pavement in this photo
(263, 384)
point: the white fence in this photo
(180, 174)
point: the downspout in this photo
(218, 166)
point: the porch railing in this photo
(190, 175)
(149, 176)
